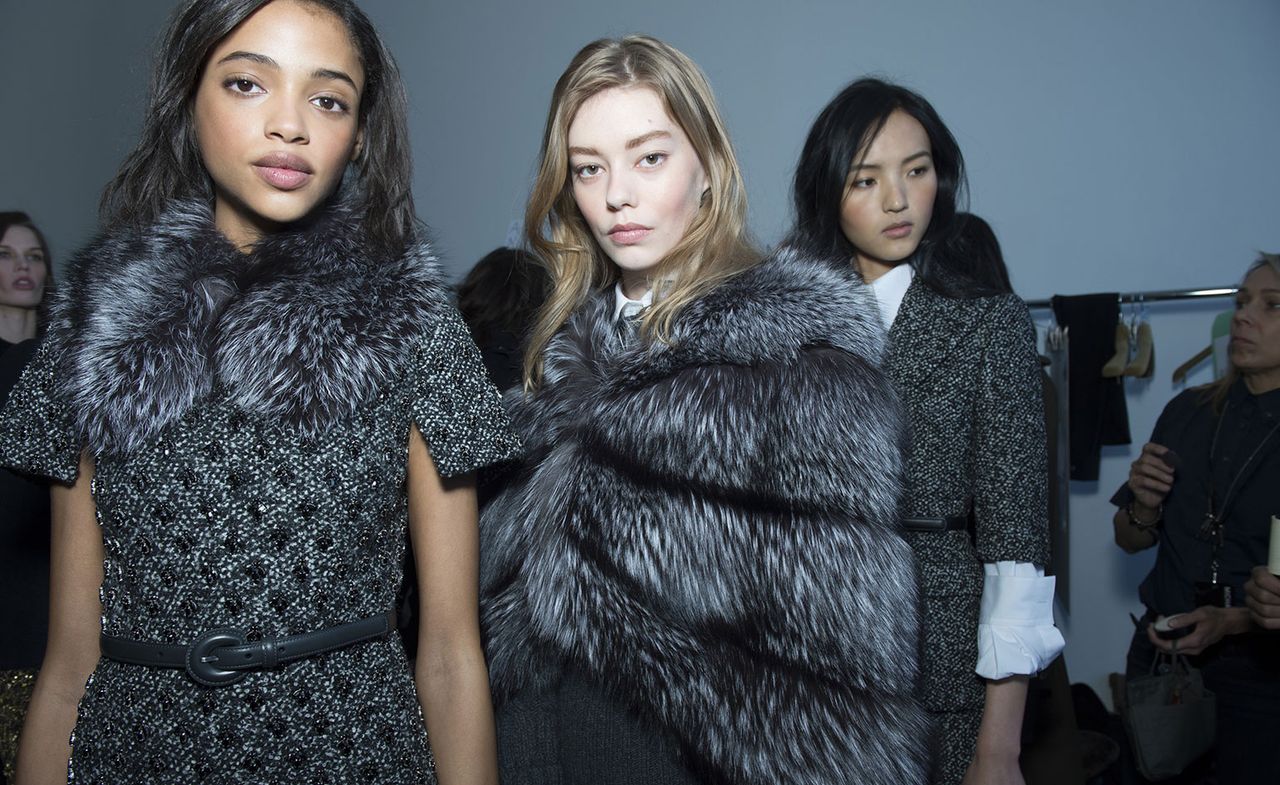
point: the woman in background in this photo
(1217, 449)
(25, 275)
(696, 575)
(25, 279)
(876, 190)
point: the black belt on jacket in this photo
(223, 656)
(950, 523)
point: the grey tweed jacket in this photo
(968, 376)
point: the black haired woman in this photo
(877, 184)
(251, 385)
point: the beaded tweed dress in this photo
(227, 503)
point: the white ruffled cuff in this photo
(1016, 635)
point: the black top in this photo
(24, 543)
(1187, 426)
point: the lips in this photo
(24, 283)
(284, 171)
(899, 230)
(628, 234)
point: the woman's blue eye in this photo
(653, 159)
(587, 170)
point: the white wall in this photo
(1113, 145)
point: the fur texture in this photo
(304, 328)
(708, 530)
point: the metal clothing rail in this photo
(1150, 297)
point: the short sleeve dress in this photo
(229, 517)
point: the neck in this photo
(241, 230)
(872, 269)
(17, 324)
(634, 284)
(1260, 382)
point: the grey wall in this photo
(1113, 145)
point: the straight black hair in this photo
(974, 253)
(839, 138)
(166, 164)
(503, 293)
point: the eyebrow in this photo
(261, 59)
(631, 144)
(909, 158)
(649, 137)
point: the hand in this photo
(1211, 625)
(991, 769)
(1151, 476)
(1262, 595)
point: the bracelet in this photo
(1141, 525)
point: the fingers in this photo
(1265, 616)
(1266, 585)
(1151, 476)
(1152, 469)
(1262, 598)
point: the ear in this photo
(359, 145)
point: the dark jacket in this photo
(968, 377)
(707, 531)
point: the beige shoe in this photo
(1116, 365)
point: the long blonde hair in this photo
(714, 248)
(1216, 392)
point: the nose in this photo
(895, 195)
(619, 193)
(286, 123)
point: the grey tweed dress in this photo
(968, 376)
(225, 517)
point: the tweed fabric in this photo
(968, 376)
(225, 502)
(15, 693)
(706, 530)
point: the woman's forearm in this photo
(45, 746)
(453, 690)
(1000, 733)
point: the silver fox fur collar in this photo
(304, 328)
(708, 530)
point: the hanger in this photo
(1181, 371)
(1143, 363)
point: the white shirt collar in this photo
(889, 289)
(625, 305)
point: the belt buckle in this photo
(202, 665)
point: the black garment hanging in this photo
(1099, 414)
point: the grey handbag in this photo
(1169, 717)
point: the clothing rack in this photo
(1151, 297)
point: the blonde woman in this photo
(696, 575)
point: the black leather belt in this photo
(950, 523)
(221, 657)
